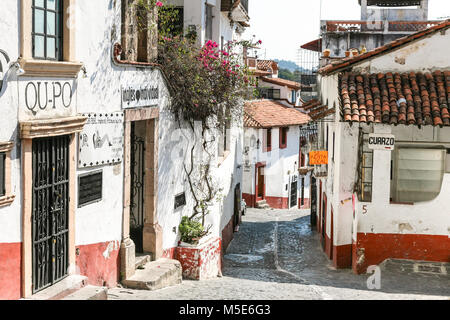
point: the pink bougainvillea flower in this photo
(259, 42)
(159, 4)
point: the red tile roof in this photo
(316, 110)
(268, 114)
(283, 82)
(407, 98)
(380, 50)
(267, 64)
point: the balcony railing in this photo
(376, 26)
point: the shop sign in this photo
(137, 96)
(318, 157)
(101, 141)
(381, 142)
(46, 99)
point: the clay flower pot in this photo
(347, 53)
(326, 53)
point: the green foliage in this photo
(286, 74)
(191, 230)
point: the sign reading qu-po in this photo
(318, 157)
(42, 95)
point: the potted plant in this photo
(326, 53)
(347, 53)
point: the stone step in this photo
(89, 293)
(155, 275)
(142, 260)
(61, 289)
(416, 266)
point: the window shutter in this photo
(418, 174)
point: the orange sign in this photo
(318, 157)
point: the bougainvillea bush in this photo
(208, 85)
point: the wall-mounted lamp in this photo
(83, 68)
(19, 70)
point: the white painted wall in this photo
(97, 29)
(427, 54)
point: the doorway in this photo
(237, 207)
(313, 203)
(324, 219)
(50, 211)
(294, 192)
(137, 185)
(260, 183)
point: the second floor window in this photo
(283, 137)
(47, 29)
(269, 140)
(209, 22)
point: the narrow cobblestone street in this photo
(275, 256)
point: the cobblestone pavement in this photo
(275, 256)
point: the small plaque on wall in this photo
(90, 186)
(180, 200)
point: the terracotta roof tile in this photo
(269, 113)
(267, 64)
(387, 47)
(394, 98)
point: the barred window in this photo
(47, 29)
(365, 169)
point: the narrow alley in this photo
(275, 256)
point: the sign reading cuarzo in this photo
(381, 141)
(136, 96)
(101, 141)
(46, 98)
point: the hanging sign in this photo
(101, 141)
(381, 141)
(137, 96)
(318, 157)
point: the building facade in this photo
(89, 178)
(272, 156)
(384, 195)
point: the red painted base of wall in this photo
(201, 262)
(278, 202)
(10, 271)
(249, 199)
(372, 249)
(169, 253)
(342, 256)
(306, 203)
(100, 263)
(227, 235)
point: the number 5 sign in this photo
(318, 157)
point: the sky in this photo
(284, 25)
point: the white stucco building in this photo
(89, 177)
(383, 199)
(272, 156)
